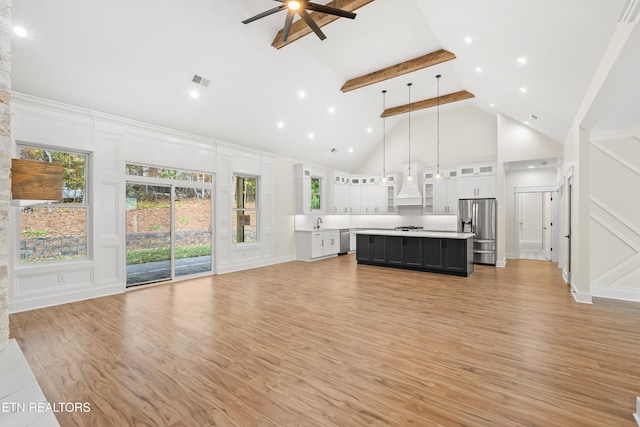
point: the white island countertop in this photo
(418, 233)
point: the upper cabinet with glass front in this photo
(477, 180)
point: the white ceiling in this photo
(136, 59)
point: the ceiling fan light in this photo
(293, 5)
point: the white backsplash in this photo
(428, 222)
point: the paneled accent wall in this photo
(5, 162)
(614, 208)
(111, 142)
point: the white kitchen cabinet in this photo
(356, 190)
(477, 187)
(390, 191)
(372, 197)
(441, 194)
(477, 181)
(341, 195)
(302, 175)
(352, 241)
(317, 244)
(330, 242)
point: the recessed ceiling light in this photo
(302, 94)
(522, 60)
(523, 89)
(194, 94)
(280, 124)
(527, 123)
(331, 110)
(369, 130)
(311, 136)
(351, 150)
(20, 32)
(478, 70)
(531, 167)
(492, 105)
(468, 40)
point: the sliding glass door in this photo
(192, 226)
(169, 231)
(148, 213)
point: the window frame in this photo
(85, 204)
(317, 194)
(256, 210)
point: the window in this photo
(245, 210)
(56, 230)
(178, 174)
(315, 194)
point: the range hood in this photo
(410, 194)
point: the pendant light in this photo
(409, 177)
(384, 139)
(438, 174)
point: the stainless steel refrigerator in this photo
(478, 216)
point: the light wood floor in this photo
(331, 343)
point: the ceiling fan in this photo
(301, 7)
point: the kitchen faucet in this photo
(318, 222)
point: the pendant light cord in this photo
(384, 137)
(409, 85)
(438, 128)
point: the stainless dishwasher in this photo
(345, 241)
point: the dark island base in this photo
(426, 270)
(428, 254)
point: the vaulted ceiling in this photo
(137, 59)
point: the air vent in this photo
(200, 80)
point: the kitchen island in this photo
(431, 251)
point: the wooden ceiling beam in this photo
(427, 103)
(300, 29)
(415, 64)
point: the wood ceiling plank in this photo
(415, 64)
(427, 103)
(300, 29)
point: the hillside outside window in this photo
(245, 209)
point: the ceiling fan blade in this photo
(287, 24)
(311, 23)
(330, 10)
(266, 13)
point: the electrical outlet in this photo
(62, 277)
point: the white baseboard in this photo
(253, 264)
(502, 263)
(635, 415)
(612, 293)
(580, 297)
(46, 299)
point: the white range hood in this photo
(410, 194)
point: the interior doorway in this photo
(534, 231)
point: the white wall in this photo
(5, 163)
(111, 142)
(614, 182)
(467, 135)
(576, 164)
